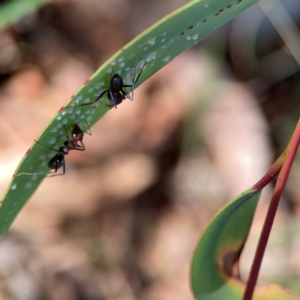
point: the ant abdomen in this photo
(56, 162)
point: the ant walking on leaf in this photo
(58, 161)
(116, 91)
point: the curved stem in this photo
(289, 155)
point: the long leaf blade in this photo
(157, 46)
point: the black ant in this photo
(116, 92)
(58, 161)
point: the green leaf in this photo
(213, 267)
(13, 10)
(157, 46)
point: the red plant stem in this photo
(271, 174)
(290, 153)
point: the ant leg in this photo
(89, 132)
(58, 174)
(80, 147)
(110, 106)
(66, 132)
(97, 99)
(37, 173)
(125, 94)
(111, 99)
(134, 81)
(30, 174)
(142, 69)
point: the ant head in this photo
(77, 134)
(116, 83)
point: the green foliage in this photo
(212, 275)
(224, 236)
(157, 46)
(13, 10)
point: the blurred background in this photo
(124, 220)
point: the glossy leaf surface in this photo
(157, 46)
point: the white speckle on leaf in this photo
(164, 34)
(90, 90)
(54, 129)
(166, 59)
(78, 112)
(206, 5)
(42, 156)
(28, 185)
(15, 204)
(33, 177)
(122, 65)
(188, 38)
(65, 121)
(52, 140)
(78, 98)
(58, 117)
(113, 63)
(145, 49)
(89, 118)
(120, 59)
(82, 117)
(163, 47)
(99, 85)
(171, 40)
(14, 186)
(151, 56)
(72, 117)
(141, 64)
(163, 40)
(59, 125)
(30, 168)
(195, 36)
(127, 69)
(152, 41)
